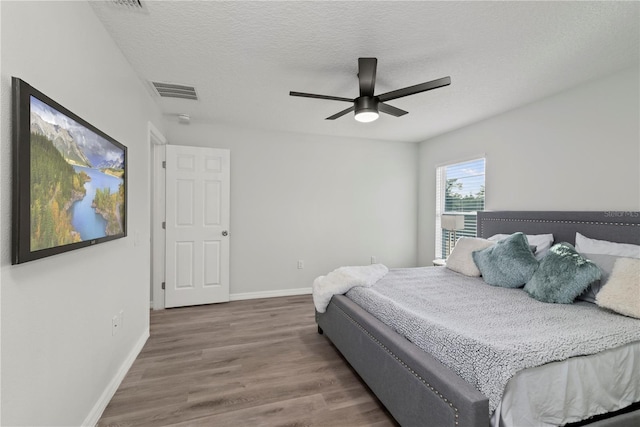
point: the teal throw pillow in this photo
(509, 263)
(562, 276)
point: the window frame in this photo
(440, 201)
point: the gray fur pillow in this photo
(509, 263)
(562, 276)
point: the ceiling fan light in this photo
(366, 116)
(366, 108)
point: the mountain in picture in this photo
(117, 163)
(61, 139)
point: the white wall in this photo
(328, 201)
(58, 354)
(2, 118)
(577, 150)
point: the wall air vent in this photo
(129, 3)
(172, 90)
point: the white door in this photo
(197, 223)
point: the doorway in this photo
(190, 207)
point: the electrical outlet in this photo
(115, 325)
(300, 264)
(373, 260)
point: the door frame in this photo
(157, 142)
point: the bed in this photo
(416, 387)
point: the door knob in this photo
(225, 232)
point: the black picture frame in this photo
(63, 157)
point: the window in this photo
(459, 192)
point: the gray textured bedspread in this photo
(485, 333)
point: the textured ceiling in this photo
(245, 57)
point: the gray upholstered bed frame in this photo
(416, 388)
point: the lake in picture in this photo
(85, 220)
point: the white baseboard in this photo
(97, 410)
(269, 294)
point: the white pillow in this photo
(542, 242)
(461, 259)
(604, 247)
(621, 293)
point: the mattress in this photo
(620, 355)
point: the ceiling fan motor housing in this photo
(364, 104)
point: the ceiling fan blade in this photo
(386, 108)
(367, 75)
(422, 87)
(341, 113)
(313, 95)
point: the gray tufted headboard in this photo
(615, 226)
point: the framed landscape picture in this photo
(69, 180)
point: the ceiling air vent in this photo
(129, 3)
(172, 90)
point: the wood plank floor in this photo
(243, 363)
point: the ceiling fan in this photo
(367, 106)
